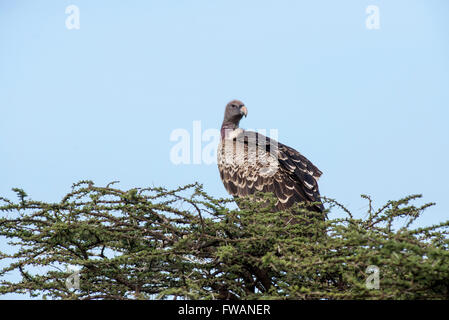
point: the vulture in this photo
(249, 162)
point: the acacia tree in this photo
(167, 244)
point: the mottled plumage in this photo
(250, 162)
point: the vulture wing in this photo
(250, 162)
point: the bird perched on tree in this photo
(249, 162)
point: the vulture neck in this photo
(227, 127)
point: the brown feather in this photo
(242, 170)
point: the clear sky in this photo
(369, 107)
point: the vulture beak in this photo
(243, 111)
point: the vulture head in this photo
(234, 111)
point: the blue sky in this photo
(368, 107)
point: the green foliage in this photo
(157, 243)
